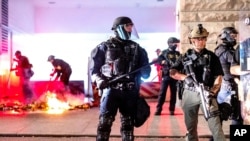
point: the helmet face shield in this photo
(229, 35)
(127, 32)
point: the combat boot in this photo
(102, 136)
(127, 136)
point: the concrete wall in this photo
(214, 15)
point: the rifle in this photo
(127, 74)
(206, 101)
(132, 72)
(205, 95)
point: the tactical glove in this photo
(189, 81)
(101, 83)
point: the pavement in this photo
(81, 124)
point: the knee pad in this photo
(105, 123)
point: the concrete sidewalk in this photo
(83, 123)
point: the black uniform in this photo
(65, 71)
(109, 60)
(228, 94)
(170, 57)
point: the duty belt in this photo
(123, 85)
(193, 88)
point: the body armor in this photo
(228, 95)
(120, 58)
(170, 59)
(221, 52)
(200, 65)
(118, 65)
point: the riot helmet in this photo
(124, 28)
(228, 35)
(51, 57)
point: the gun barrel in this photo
(127, 74)
(201, 89)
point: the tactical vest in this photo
(221, 51)
(170, 59)
(120, 58)
(198, 66)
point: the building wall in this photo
(214, 15)
(21, 24)
(21, 16)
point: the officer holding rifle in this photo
(202, 79)
(117, 66)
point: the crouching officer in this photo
(201, 68)
(62, 70)
(228, 95)
(115, 57)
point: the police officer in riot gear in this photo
(200, 66)
(170, 56)
(228, 94)
(115, 57)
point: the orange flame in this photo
(56, 106)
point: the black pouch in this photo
(142, 112)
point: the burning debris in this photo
(49, 102)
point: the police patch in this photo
(132, 46)
(170, 56)
(206, 55)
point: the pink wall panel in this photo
(21, 16)
(99, 20)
